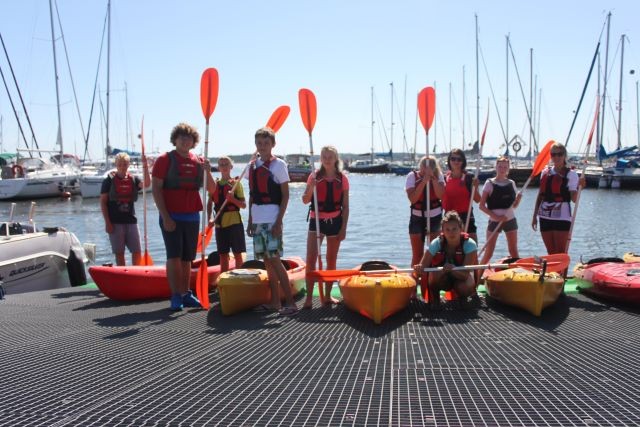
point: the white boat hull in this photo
(38, 261)
(36, 186)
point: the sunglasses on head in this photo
(557, 154)
(455, 159)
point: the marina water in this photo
(608, 223)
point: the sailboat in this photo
(29, 177)
(372, 164)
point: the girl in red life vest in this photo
(457, 190)
(558, 187)
(499, 199)
(453, 248)
(415, 186)
(332, 188)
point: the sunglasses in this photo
(557, 154)
(455, 159)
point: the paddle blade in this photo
(278, 118)
(202, 284)
(427, 107)
(555, 262)
(543, 158)
(146, 259)
(308, 108)
(486, 123)
(332, 275)
(593, 127)
(207, 238)
(209, 91)
(142, 135)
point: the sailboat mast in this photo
(55, 72)
(464, 96)
(620, 93)
(108, 146)
(477, 86)
(637, 116)
(372, 125)
(450, 137)
(606, 78)
(391, 132)
(530, 100)
(507, 102)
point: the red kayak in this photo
(615, 281)
(130, 283)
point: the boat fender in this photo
(75, 269)
(18, 171)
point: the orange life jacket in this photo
(554, 187)
(330, 195)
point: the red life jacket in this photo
(440, 258)
(555, 187)
(181, 173)
(262, 187)
(434, 201)
(220, 196)
(329, 195)
(123, 190)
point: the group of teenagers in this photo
(178, 176)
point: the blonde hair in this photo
(227, 158)
(433, 164)
(561, 147)
(503, 159)
(338, 164)
(122, 156)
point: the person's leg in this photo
(120, 258)
(224, 262)
(185, 275)
(238, 258)
(136, 258)
(549, 241)
(466, 287)
(312, 256)
(512, 244)
(490, 245)
(333, 246)
(117, 240)
(417, 248)
(281, 278)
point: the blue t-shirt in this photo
(468, 247)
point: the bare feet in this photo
(331, 300)
(308, 303)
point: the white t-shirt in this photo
(559, 211)
(488, 188)
(410, 184)
(267, 214)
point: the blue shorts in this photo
(265, 244)
(125, 235)
(418, 225)
(183, 241)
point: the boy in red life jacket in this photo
(229, 227)
(453, 248)
(117, 196)
(177, 178)
(268, 200)
(332, 188)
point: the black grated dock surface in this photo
(73, 357)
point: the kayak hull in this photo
(245, 288)
(377, 296)
(619, 282)
(134, 283)
(522, 288)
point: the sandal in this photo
(288, 311)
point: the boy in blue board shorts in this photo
(268, 200)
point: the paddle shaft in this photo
(144, 192)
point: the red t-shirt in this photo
(178, 200)
(456, 195)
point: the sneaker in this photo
(288, 311)
(176, 302)
(190, 300)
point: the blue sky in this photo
(266, 51)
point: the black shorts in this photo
(507, 226)
(181, 242)
(231, 239)
(554, 225)
(418, 225)
(472, 222)
(328, 227)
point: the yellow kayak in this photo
(377, 296)
(244, 288)
(631, 257)
(523, 289)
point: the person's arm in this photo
(158, 197)
(276, 230)
(438, 186)
(475, 183)
(534, 221)
(483, 203)
(516, 203)
(345, 215)
(414, 193)
(104, 199)
(470, 258)
(307, 195)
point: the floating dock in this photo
(75, 358)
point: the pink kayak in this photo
(616, 281)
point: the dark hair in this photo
(458, 152)
(266, 132)
(452, 216)
(184, 129)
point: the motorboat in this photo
(36, 260)
(375, 165)
(299, 167)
